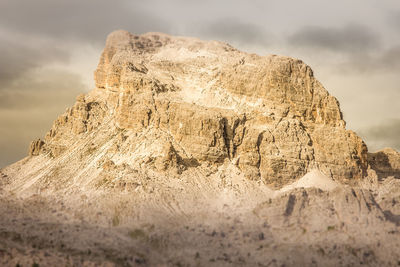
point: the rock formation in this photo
(385, 163)
(192, 153)
(212, 103)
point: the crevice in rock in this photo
(259, 140)
(290, 205)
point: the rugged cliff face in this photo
(211, 103)
(192, 153)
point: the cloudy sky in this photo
(50, 48)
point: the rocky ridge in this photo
(192, 153)
(209, 103)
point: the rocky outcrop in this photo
(192, 101)
(36, 147)
(385, 163)
(82, 118)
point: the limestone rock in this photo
(36, 147)
(243, 158)
(385, 163)
(170, 159)
(206, 102)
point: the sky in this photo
(50, 48)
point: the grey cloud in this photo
(18, 57)
(235, 31)
(89, 20)
(356, 49)
(348, 39)
(51, 90)
(394, 20)
(390, 59)
(382, 61)
(383, 135)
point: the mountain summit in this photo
(193, 153)
(206, 103)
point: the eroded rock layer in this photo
(176, 103)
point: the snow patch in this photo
(314, 178)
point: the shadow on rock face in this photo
(385, 163)
(392, 217)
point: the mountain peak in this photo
(191, 152)
(268, 116)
